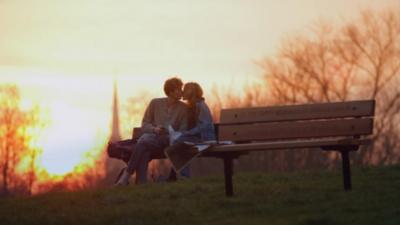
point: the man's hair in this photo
(172, 84)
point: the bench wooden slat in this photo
(290, 130)
(298, 112)
(276, 145)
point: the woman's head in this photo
(192, 92)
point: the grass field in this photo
(260, 198)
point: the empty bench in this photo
(338, 126)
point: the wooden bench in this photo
(328, 126)
(335, 126)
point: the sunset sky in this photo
(64, 55)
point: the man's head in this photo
(173, 88)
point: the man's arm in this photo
(148, 119)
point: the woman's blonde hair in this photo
(195, 90)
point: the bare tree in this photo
(377, 43)
(16, 127)
(360, 60)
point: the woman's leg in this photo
(141, 168)
(185, 172)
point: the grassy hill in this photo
(311, 197)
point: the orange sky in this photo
(64, 54)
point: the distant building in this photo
(115, 133)
(112, 166)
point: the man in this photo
(160, 113)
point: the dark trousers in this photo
(147, 144)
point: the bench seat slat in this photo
(362, 108)
(276, 145)
(290, 130)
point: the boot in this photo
(123, 179)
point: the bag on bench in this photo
(121, 149)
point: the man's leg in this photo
(136, 157)
(140, 158)
(156, 146)
(141, 168)
(140, 148)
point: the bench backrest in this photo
(297, 121)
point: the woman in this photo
(200, 123)
(202, 127)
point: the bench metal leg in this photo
(346, 170)
(228, 171)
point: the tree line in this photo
(357, 60)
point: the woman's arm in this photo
(204, 121)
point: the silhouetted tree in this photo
(16, 135)
(360, 60)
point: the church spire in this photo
(115, 135)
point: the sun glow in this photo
(67, 151)
(70, 135)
